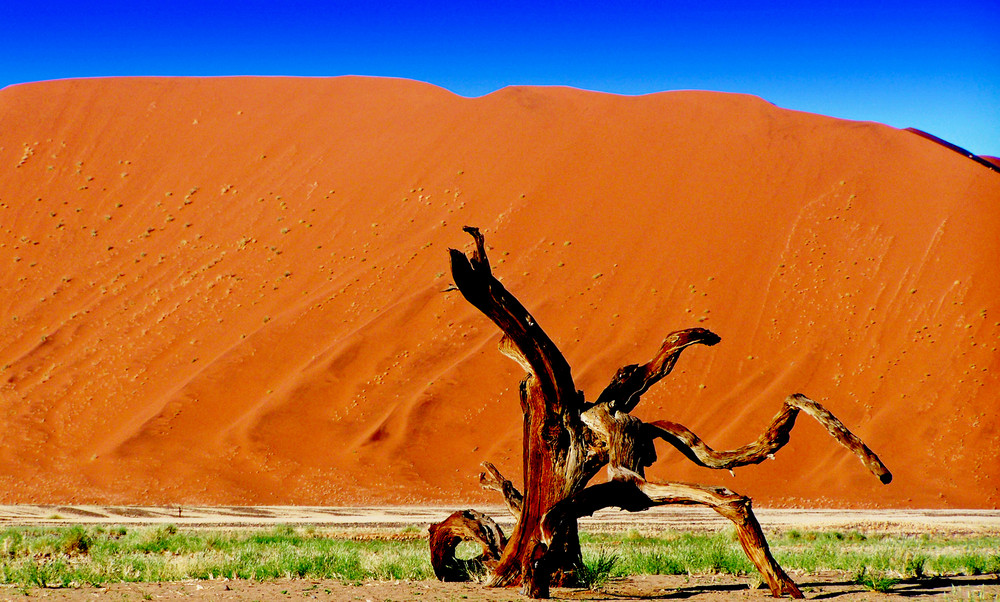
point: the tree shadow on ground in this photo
(815, 589)
(911, 587)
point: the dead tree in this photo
(567, 440)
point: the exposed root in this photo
(468, 525)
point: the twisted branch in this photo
(774, 437)
(524, 340)
(637, 495)
(630, 382)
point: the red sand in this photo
(229, 291)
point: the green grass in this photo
(892, 556)
(876, 581)
(42, 557)
(598, 567)
(70, 556)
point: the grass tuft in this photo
(915, 565)
(597, 569)
(76, 541)
(874, 580)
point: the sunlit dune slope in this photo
(234, 291)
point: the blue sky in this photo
(930, 65)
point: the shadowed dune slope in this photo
(230, 291)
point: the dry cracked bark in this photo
(468, 525)
(567, 440)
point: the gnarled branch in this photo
(523, 340)
(770, 441)
(630, 382)
(638, 494)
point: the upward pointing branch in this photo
(524, 340)
(629, 384)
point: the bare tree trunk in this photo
(554, 454)
(567, 441)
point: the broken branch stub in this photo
(492, 479)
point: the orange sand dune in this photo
(232, 291)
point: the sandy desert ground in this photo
(376, 518)
(233, 291)
(698, 588)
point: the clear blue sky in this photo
(934, 65)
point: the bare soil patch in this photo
(700, 588)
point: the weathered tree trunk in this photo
(567, 441)
(554, 453)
